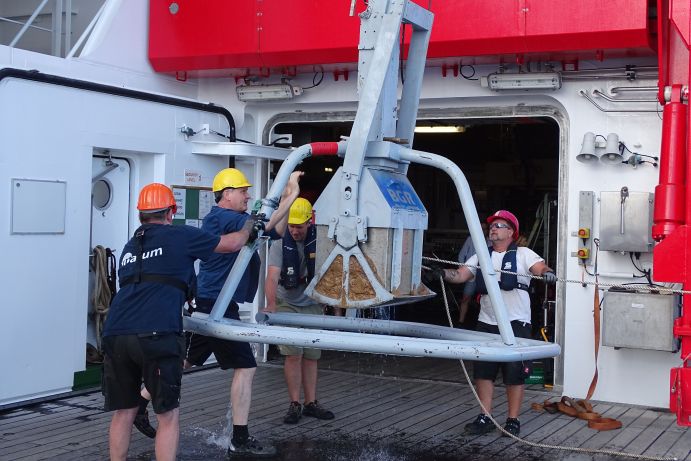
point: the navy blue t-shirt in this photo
(214, 271)
(148, 307)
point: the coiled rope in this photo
(528, 442)
(101, 295)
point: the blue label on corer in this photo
(397, 191)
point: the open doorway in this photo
(510, 163)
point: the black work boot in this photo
(481, 425)
(294, 413)
(141, 422)
(512, 426)
(317, 411)
(250, 448)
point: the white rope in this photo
(527, 442)
(101, 294)
(641, 287)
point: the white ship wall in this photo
(631, 376)
(51, 133)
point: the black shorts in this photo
(229, 354)
(154, 359)
(513, 373)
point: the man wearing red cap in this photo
(506, 256)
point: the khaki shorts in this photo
(313, 309)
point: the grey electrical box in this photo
(639, 320)
(626, 220)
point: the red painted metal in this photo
(324, 148)
(672, 256)
(680, 393)
(219, 34)
(670, 192)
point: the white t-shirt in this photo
(517, 301)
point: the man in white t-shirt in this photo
(506, 256)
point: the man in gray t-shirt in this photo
(290, 268)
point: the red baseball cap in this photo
(506, 216)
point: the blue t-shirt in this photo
(214, 271)
(148, 307)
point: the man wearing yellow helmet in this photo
(290, 268)
(230, 187)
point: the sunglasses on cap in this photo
(498, 225)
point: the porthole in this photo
(101, 194)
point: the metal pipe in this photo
(491, 349)
(670, 192)
(609, 98)
(622, 89)
(86, 32)
(391, 327)
(269, 204)
(592, 101)
(476, 233)
(31, 19)
(45, 29)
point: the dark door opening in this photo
(510, 163)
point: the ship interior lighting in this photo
(522, 81)
(440, 129)
(275, 92)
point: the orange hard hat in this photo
(156, 197)
(506, 216)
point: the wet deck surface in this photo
(387, 408)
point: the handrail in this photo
(31, 19)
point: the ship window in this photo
(101, 194)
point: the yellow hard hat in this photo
(230, 177)
(300, 211)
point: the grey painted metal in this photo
(269, 204)
(239, 149)
(489, 349)
(421, 23)
(476, 234)
(86, 32)
(28, 23)
(57, 29)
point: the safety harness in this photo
(290, 270)
(139, 277)
(507, 282)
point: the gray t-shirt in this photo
(294, 296)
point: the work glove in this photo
(253, 225)
(550, 277)
(433, 274)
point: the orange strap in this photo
(596, 321)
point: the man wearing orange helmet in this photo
(142, 335)
(231, 194)
(506, 256)
(290, 269)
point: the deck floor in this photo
(387, 408)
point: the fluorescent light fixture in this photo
(328, 169)
(523, 81)
(275, 92)
(440, 129)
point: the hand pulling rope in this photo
(641, 287)
(527, 442)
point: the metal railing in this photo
(60, 33)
